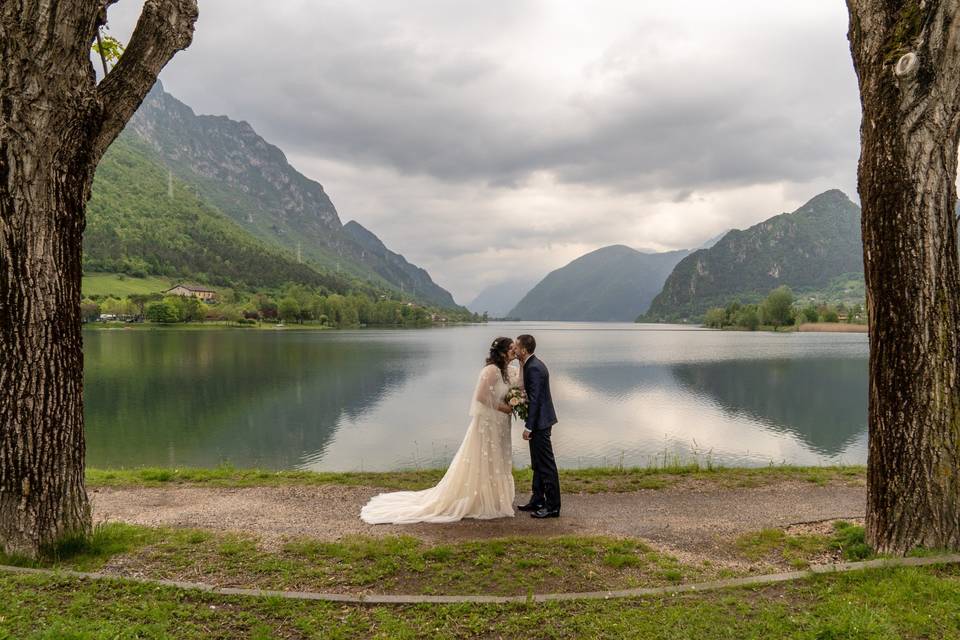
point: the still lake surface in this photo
(396, 399)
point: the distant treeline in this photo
(293, 304)
(780, 309)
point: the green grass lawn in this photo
(119, 286)
(593, 480)
(882, 604)
(408, 565)
(393, 564)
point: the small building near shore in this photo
(192, 291)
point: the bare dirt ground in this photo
(685, 520)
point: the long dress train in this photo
(479, 481)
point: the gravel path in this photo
(682, 519)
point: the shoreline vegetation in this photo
(257, 326)
(121, 300)
(780, 311)
(616, 479)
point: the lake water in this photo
(395, 399)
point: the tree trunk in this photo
(42, 497)
(906, 56)
(55, 124)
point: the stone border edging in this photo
(747, 581)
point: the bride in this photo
(479, 481)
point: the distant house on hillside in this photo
(192, 291)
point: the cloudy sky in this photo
(490, 138)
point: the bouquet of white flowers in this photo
(517, 399)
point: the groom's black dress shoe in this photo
(530, 506)
(545, 513)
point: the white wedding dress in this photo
(478, 483)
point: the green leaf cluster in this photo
(109, 47)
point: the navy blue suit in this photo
(541, 417)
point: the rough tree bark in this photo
(907, 57)
(55, 124)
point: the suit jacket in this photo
(536, 382)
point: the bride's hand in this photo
(504, 408)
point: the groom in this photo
(541, 416)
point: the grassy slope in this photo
(121, 286)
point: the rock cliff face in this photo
(614, 283)
(805, 250)
(250, 180)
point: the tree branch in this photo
(164, 28)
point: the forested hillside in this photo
(235, 170)
(140, 221)
(811, 249)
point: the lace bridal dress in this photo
(478, 483)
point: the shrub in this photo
(748, 318)
(162, 312)
(777, 309)
(715, 318)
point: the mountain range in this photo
(615, 283)
(809, 249)
(498, 299)
(206, 197)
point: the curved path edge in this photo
(480, 599)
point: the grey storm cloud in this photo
(581, 125)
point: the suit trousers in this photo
(546, 478)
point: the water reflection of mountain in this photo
(619, 380)
(822, 402)
(250, 398)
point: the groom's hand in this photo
(527, 434)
